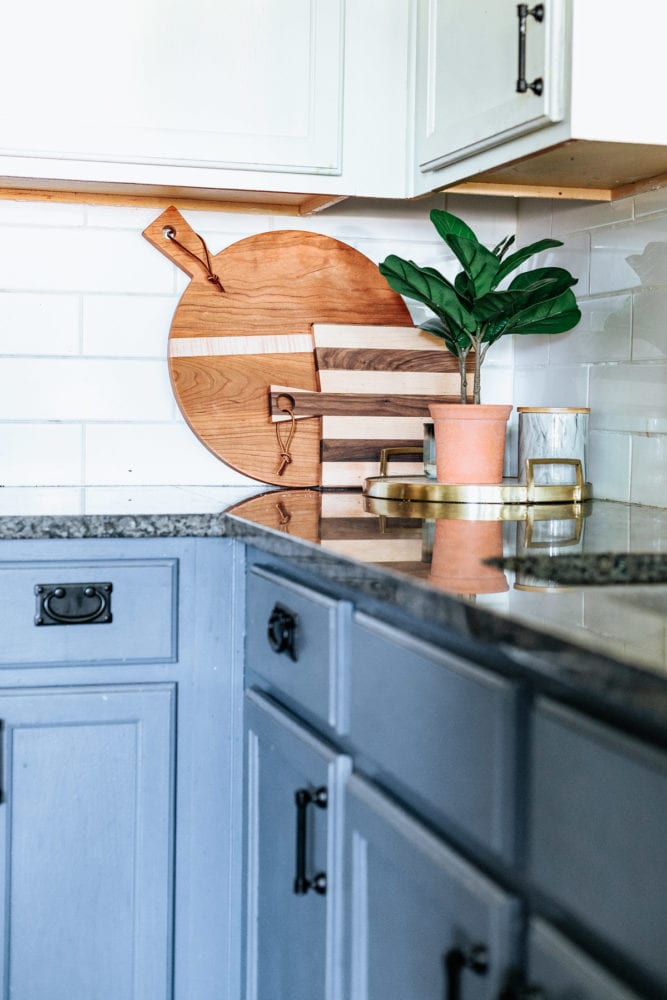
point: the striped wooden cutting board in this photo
(376, 383)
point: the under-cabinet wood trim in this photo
(256, 202)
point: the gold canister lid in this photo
(553, 409)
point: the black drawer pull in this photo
(281, 631)
(73, 603)
(303, 797)
(524, 12)
(475, 958)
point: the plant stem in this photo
(462, 358)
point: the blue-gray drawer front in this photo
(315, 679)
(598, 802)
(144, 608)
(439, 729)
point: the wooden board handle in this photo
(172, 222)
(347, 404)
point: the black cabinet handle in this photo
(281, 631)
(73, 603)
(475, 958)
(523, 13)
(303, 797)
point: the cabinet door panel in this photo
(293, 941)
(254, 84)
(564, 972)
(438, 730)
(86, 838)
(413, 901)
(598, 802)
(467, 76)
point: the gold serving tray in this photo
(510, 491)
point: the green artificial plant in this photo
(471, 312)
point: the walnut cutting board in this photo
(226, 348)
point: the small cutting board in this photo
(226, 348)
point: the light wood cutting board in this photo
(226, 348)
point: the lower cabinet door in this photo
(86, 831)
(424, 924)
(293, 859)
(557, 970)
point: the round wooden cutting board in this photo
(226, 348)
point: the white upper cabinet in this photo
(470, 97)
(561, 97)
(258, 95)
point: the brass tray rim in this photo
(509, 491)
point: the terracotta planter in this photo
(469, 442)
(458, 550)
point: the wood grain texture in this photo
(276, 284)
(347, 404)
(385, 361)
(359, 450)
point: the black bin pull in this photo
(281, 631)
(73, 603)
(303, 797)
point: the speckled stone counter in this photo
(601, 646)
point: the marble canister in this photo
(553, 433)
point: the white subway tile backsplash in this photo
(581, 216)
(551, 386)
(649, 470)
(39, 324)
(603, 333)
(629, 256)
(127, 325)
(86, 305)
(40, 454)
(152, 454)
(36, 213)
(47, 500)
(84, 389)
(649, 325)
(608, 466)
(82, 260)
(629, 397)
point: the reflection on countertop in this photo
(443, 545)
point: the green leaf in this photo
(501, 248)
(516, 259)
(499, 305)
(455, 339)
(448, 225)
(479, 264)
(556, 315)
(429, 287)
(543, 283)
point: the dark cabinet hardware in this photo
(475, 958)
(281, 631)
(523, 13)
(73, 603)
(303, 797)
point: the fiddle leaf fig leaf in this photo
(470, 310)
(517, 259)
(449, 225)
(479, 264)
(553, 316)
(429, 287)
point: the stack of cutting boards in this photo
(306, 314)
(375, 386)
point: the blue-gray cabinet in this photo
(423, 922)
(86, 842)
(495, 844)
(294, 791)
(121, 769)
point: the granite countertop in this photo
(604, 644)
